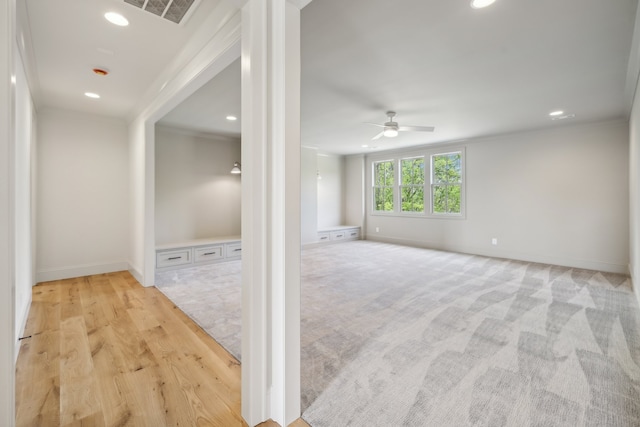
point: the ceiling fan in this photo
(391, 128)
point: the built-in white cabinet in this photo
(335, 234)
(208, 253)
(173, 258)
(197, 252)
(234, 250)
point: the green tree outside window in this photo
(412, 184)
(446, 183)
(383, 184)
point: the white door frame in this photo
(8, 341)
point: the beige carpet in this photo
(396, 336)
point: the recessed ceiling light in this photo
(566, 116)
(364, 145)
(117, 19)
(232, 118)
(556, 113)
(479, 4)
(91, 95)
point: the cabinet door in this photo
(324, 236)
(173, 258)
(338, 235)
(234, 250)
(207, 253)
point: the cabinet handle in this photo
(173, 257)
(237, 250)
(210, 253)
(339, 235)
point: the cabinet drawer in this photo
(207, 253)
(324, 236)
(234, 250)
(352, 234)
(338, 235)
(173, 258)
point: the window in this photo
(424, 183)
(446, 183)
(412, 184)
(383, 186)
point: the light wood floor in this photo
(104, 351)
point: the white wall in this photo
(24, 224)
(634, 195)
(83, 186)
(330, 190)
(308, 195)
(557, 196)
(354, 184)
(196, 195)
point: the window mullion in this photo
(397, 206)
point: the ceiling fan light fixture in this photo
(479, 4)
(390, 132)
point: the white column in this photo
(271, 211)
(7, 249)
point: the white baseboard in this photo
(325, 243)
(21, 319)
(636, 289)
(527, 257)
(79, 271)
(135, 273)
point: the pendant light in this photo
(236, 168)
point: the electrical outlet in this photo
(494, 241)
(377, 229)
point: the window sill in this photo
(418, 215)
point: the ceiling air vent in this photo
(171, 10)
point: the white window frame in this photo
(428, 153)
(401, 186)
(392, 187)
(434, 184)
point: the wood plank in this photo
(120, 282)
(232, 363)
(39, 352)
(37, 368)
(45, 309)
(70, 298)
(78, 392)
(185, 361)
(297, 423)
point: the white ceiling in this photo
(439, 63)
(206, 110)
(69, 38)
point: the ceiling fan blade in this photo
(377, 136)
(375, 124)
(416, 128)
